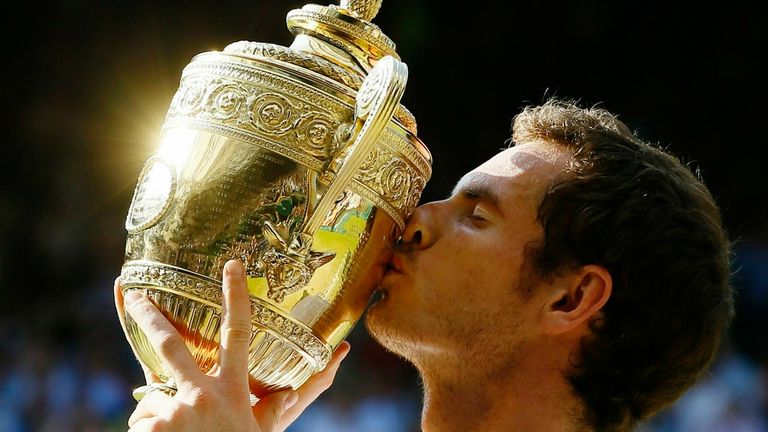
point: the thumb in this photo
(269, 409)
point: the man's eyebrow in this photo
(478, 190)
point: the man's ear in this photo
(576, 298)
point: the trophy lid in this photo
(336, 41)
(347, 27)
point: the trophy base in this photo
(283, 353)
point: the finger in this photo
(270, 409)
(316, 385)
(153, 404)
(322, 380)
(236, 325)
(120, 306)
(152, 424)
(163, 337)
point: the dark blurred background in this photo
(86, 85)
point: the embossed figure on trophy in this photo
(290, 264)
(284, 208)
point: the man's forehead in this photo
(534, 158)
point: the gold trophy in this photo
(300, 162)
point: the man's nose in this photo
(419, 230)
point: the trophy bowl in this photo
(298, 161)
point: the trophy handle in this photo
(376, 102)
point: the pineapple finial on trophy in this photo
(362, 9)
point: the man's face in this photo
(455, 285)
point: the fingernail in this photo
(131, 297)
(233, 268)
(290, 400)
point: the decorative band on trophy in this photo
(208, 293)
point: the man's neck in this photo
(529, 396)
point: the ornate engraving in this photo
(403, 146)
(387, 174)
(412, 198)
(243, 110)
(258, 106)
(315, 64)
(394, 179)
(371, 34)
(298, 58)
(366, 180)
(315, 135)
(213, 64)
(291, 262)
(226, 100)
(406, 119)
(294, 331)
(272, 113)
(189, 100)
(175, 280)
(285, 275)
(362, 9)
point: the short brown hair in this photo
(639, 212)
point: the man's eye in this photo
(478, 215)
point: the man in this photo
(576, 281)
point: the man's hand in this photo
(218, 401)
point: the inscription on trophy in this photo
(153, 195)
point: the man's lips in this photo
(393, 272)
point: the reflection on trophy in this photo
(299, 162)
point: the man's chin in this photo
(386, 328)
(378, 316)
(378, 323)
(384, 318)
